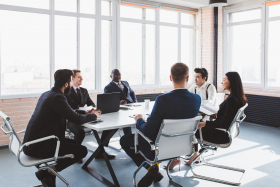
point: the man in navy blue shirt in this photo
(177, 104)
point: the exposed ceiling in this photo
(193, 3)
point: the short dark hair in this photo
(75, 71)
(62, 76)
(202, 71)
(179, 72)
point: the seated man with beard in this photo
(49, 118)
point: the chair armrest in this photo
(41, 140)
(152, 144)
(240, 121)
(6, 132)
(200, 133)
(21, 132)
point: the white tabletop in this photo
(121, 119)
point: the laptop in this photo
(108, 102)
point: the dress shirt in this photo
(202, 93)
(119, 84)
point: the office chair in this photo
(232, 132)
(16, 147)
(172, 132)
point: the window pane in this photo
(44, 4)
(273, 54)
(150, 54)
(168, 52)
(65, 42)
(25, 62)
(187, 19)
(106, 8)
(246, 15)
(246, 52)
(130, 12)
(87, 52)
(106, 57)
(87, 6)
(66, 5)
(187, 50)
(131, 52)
(168, 16)
(150, 14)
(274, 11)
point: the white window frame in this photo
(227, 43)
(267, 20)
(115, 48)
(264, 44)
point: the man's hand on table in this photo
(138, 117)
(123, 102)
(89, 111)
(97, 113)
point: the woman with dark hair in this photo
(227, 111)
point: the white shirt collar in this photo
(75, 88)
(117, 82)
(203, 86)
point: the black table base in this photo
(94, 154)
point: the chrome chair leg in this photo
(135, 173)
(59, 176)
(217, 166)
(169, 176)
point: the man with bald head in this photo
(117, 85)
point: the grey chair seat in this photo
(31, 161)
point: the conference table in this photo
(113, 121)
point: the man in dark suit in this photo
(127, 96)
(78, 98)
(117, 85)
(49, 119)
(177, 104)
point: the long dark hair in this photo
(236, 87)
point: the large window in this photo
(176, 42)
(273, 55)
(24, 45)
(96, 36)
(252, 44)
(138, 44)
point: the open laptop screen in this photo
(108, 102)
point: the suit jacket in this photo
(49, 119)
(73, 100)
(177, 104)
(127, 94)
(226, 113)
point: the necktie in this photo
(79, 95)
(120, 86)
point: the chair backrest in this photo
(234, 127)
(175, 137)
(15, 141)
(220, 97)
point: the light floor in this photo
(256, 149)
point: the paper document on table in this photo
(208, 109)
(125, 108)
(85, 108)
